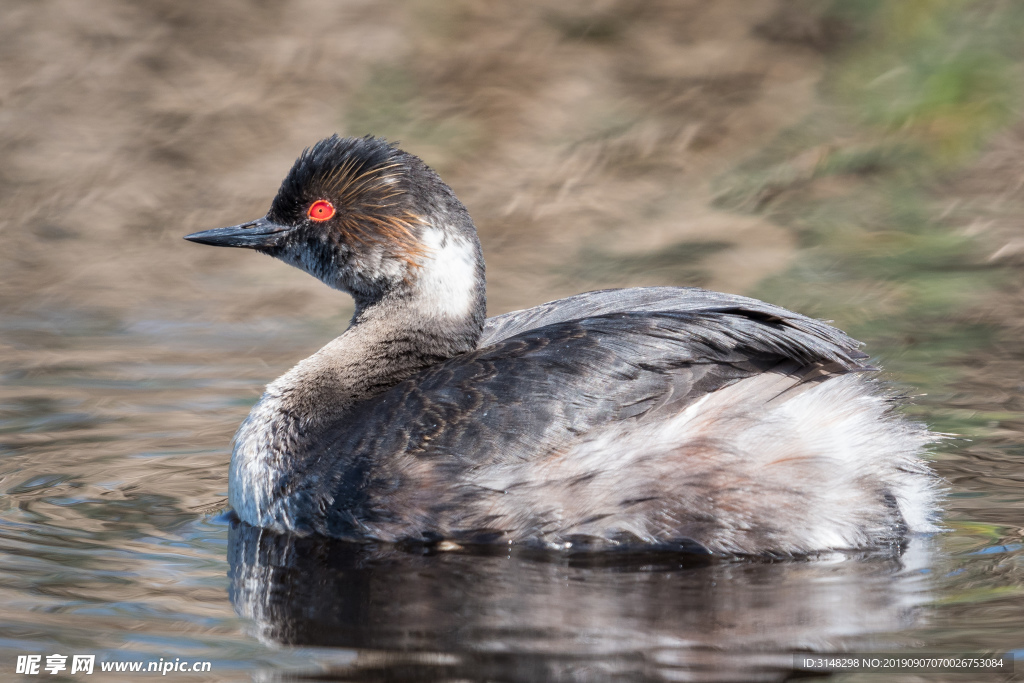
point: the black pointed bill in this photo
(256, 234)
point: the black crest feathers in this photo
(366, 179)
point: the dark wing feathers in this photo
(659, 299)
(530, 394)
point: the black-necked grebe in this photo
(664, 416)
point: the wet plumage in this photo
(663, 416)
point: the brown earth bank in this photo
(582, 137)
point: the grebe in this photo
(657, 416)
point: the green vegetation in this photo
(937, 72)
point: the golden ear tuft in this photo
(367, 212)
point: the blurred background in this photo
(860, 161)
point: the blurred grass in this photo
(939, 73)
(390, 105)
(912, 98)
(676, 264)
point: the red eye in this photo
(321, 210)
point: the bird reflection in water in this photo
(521, 615)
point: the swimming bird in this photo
(660, 417)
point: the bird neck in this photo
(438, 313)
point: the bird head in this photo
(369, 219)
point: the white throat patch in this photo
(447, 276)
